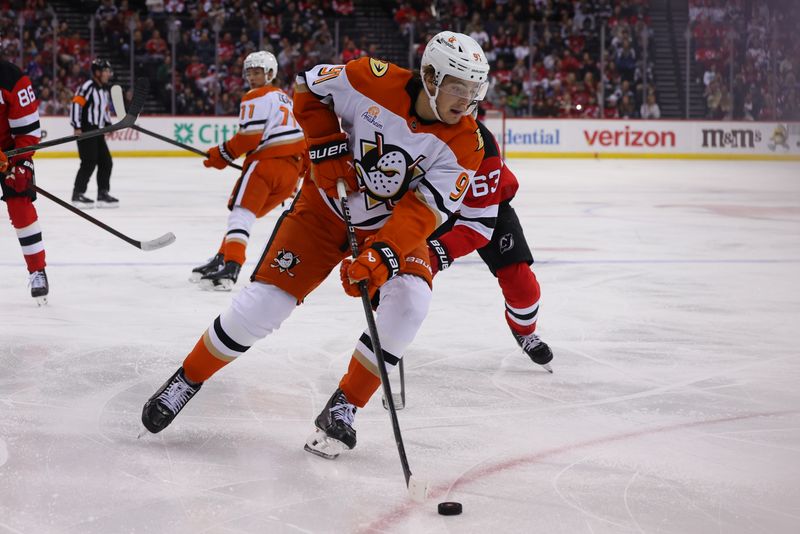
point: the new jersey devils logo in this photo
(284, 261)
(384, 171)
(506, 243)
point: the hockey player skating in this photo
(19, 127)
(274, 148)
(487, 223)
(408, 153)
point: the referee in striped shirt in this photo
(90, 112)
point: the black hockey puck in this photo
(450, 508)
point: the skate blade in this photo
(41, 301)
(107, 205)
(220, 285)
(195, 278)
(83, 205)
(324, 446)
(547, 368)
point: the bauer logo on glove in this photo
(331, 161)
(375, 265)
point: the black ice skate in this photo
(168, 401)
(335, 433)
(222, 280)
(211, 266)
(79, 200)
(104, 200)
(39, 287)
(536, 349)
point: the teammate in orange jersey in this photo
(407, 154)
(275, 158)
(19, 127)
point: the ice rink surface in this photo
(670, 298)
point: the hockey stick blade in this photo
(417, 489)
(157, 243)
(137, 104)
(160, 242)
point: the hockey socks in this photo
(29, 233)
(205, 359)
(235, 246)
(359, 383)
(521, 292)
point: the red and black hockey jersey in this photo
(492, 184)
(19, 111)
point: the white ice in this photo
(670, 298)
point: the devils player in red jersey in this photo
(487, 223)
(19, 127)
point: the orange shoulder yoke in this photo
(260, 91)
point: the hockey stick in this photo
(119, 106)
(417, 489)
(139, 97)
(153, 244)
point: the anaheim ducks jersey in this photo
(267, 127)
(19, 110)
(395, 152)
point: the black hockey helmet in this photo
(100, 64)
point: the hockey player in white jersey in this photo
(275, 158)
(407, 147)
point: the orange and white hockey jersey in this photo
(267, 127)
(413, 169)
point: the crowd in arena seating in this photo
(545, 54)
(750, 54)
(36, 19)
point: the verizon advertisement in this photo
(523, 138)
(660, 139)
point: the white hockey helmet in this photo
(265, 60)
(460, 56)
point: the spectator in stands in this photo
(156, 47)
(627, 109)
(710, 74)
(650, 109)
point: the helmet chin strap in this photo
(432, 100)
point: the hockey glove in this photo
(331, 160)
(20, 176)
(439, 257)
(376, 264)
(3, 161)
(219, 157)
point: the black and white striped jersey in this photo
(90, 106)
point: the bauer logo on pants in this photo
(506, 243)
(285, 260)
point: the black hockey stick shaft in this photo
(157, 243)
(179, 144)
(402, 382)
(119, 106)
(373, 333)
(139, 97)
